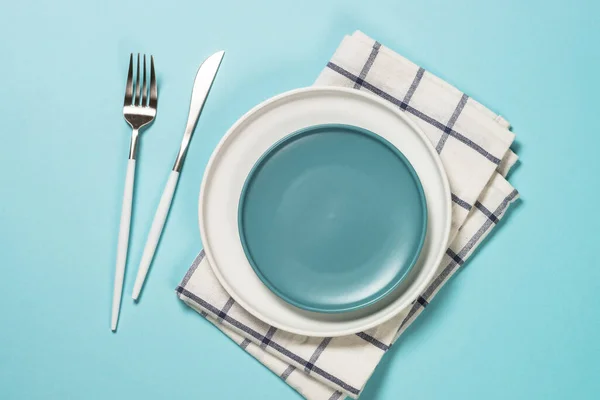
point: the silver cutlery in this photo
(204, 79)
(139, 110)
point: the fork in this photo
(139, 110)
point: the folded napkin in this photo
(473, 144)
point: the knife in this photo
(204, 79)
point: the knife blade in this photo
(204, 78)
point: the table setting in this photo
(342, 212)
(331, 215)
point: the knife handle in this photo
(155, 232)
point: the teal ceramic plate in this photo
(332, 218)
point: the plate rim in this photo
(397, 279)
(224, 140)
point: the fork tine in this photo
(137, 83)
(153, 89)
(129, 85)
(144, 91)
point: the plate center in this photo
(332, 218)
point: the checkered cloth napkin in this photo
(473, 144)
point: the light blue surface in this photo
(316, 194)
(520, 321)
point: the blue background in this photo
(520, 321)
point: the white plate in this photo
(241, 148)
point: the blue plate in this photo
(332, 218)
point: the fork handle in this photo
(155, 231)
(123, 242)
